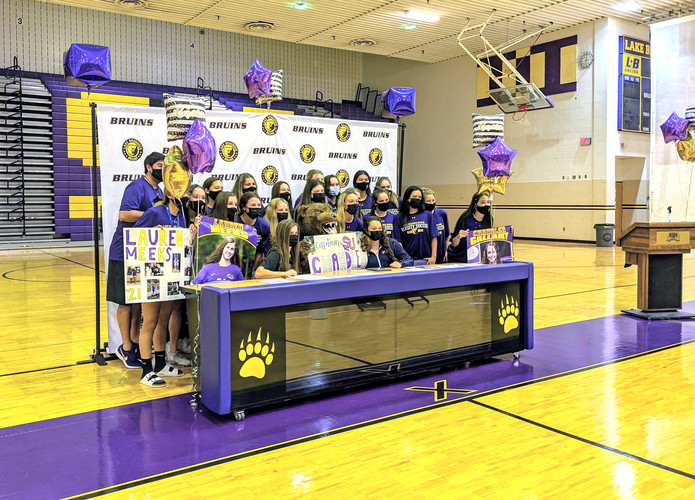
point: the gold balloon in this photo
(177, 176)
(491, 183)
(686, 149)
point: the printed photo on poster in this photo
(336, 252)
(491, 246)
(159, 254)
(213, 232)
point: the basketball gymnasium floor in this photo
(602, 407)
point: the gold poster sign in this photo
(673, 237)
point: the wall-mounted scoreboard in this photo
(634, 87)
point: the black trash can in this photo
(604, 234)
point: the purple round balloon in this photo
(675, 128)
(497, 158)
(258, 80)
(399, 100)
(87, 65)
(199, 148)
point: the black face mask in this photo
(255, 213)
(213, 194)
(430, 206)
(282, 216)
(483, 210)
(196, 206)
(318, 197)
(415, 202)
(231, 213)
(362, 186)
(352, 209)
(157, 174)
(285, 196)
(383, 206)
(294, 239)
(184, 200)
(248, 189)
(375, 235)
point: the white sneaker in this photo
(185, 345)
(170, 371)
(152, 380)
(177, 359)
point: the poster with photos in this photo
(491, 246)
(157, 263)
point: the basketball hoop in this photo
(524, 108)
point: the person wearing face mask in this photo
(277, 211)
(477, 216)
(212, 187)
(311, 177)
(381, 250)
(415, 228)
(333, 187)
(349, 211)
(156, 315)
(226, 207)
(281, 190)
(139, 196)
(250, 213)
(222, 265)
(194, 201)
(394, 201)
(361, 182)
(314, 192)
(381, 207)
(282, 260)
(441, 219)
(245, 183)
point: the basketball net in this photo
(520, 117)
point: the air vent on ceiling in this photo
(259, 26)
(363, 42)
(132, 4)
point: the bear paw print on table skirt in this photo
(508, 314)
(255, 355)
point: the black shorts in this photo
(115, 282)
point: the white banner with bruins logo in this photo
(271, 147)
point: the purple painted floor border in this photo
(85, 452)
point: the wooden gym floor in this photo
(602, 406)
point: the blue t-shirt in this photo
(138, 195)
(216, 272)
(386, 222)
(161, 216)
(355, 225)
(262, 227)
(416, 233)
(383, 260)
(366, 205)
(460, 253)
(441, 219)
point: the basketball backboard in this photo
(525, 97)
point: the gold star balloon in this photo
(177, 177)
(493, 184)
(686, 149)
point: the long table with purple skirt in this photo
(268, 341)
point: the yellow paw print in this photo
(255, 356)
(508, 314)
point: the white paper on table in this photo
(353, 275)
(425, 268)
(309, 277)
(461, 264)
(274, 281)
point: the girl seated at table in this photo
(381, 250)
(282, 260)
(223, 264)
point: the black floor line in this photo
(34, 371)
(330, 352)
(73, 261)
(584, 440)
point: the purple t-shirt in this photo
(355, 225)
(161, 216)
(416, 233)
(216, 272)
(138, 195)
(262, 227)
(441, 219)
(366, 205)
(386, 222)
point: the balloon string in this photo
(687, 200)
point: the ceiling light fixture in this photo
(627, 6)
(300, 5)
(259, 26)
(419, 16)
(409, 26)
(363, 42)
(132, 4)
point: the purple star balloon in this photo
(675, 128)
(199, 148)
(87, 65)
(399, 100)
(497, 158)
(258, 80)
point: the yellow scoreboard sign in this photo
(634, 91)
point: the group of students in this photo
(396, 232)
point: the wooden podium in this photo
(657, 248)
